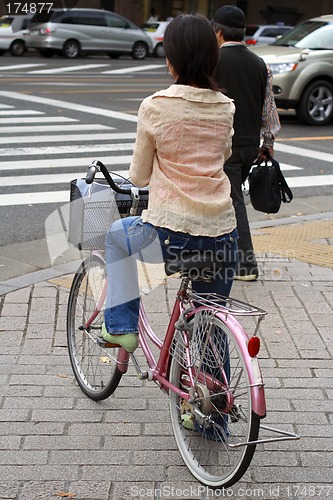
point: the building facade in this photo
(257, 11)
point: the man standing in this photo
(244, 77)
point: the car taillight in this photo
(251, 41)
(158, 38)
(253, 346)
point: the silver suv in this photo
(78, 31)
(302, 65)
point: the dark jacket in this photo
(242, 76)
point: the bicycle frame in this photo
(159, 368)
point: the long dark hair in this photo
(191, 47)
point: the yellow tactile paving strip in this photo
(298, 241)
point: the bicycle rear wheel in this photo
(220, 414)
(94, 366)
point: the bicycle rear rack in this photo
(226, 305)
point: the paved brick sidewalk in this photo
(54, 440)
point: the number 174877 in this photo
(27, 7)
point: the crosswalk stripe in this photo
(70, 105)
(33, 180)
(53, 128)
(20, 66)
(40, 119)
(310, 181)
(6, 106)
(63, 163)
(67, 69)
(33, 198)
(307, 153)
(133, 69)
(20, 112)
(67, 138)
(60, 178)
(61, 150)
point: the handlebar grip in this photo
(91, 174)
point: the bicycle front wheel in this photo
(94, 366)
(219, 414)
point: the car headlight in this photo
(282, 68)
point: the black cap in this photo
(231, 16)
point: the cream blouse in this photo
(183, 139)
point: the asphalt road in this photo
(57, 115)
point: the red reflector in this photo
(251, 41)
(253, 346)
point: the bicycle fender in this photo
(252, 364)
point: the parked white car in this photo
(155, 31)
(13, 33)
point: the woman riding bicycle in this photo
(183, 139)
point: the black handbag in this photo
(268, 187)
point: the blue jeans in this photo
(129, 240)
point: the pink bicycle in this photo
(207, 364)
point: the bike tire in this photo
(94, 366)
(203, 445)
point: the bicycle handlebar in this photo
(98, 166)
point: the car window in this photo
(85, 18)
(116, 22)
(308, 35)
(5, 22)
(270, 32)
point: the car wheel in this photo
(159, 50)
(316, 103)
(140, 50)
(71, 49)
(17, 48)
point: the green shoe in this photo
(187, 421)
(129, 341)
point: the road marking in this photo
(307, 153)
(34, 198)
(40, 119)
(63, 162)
(6, 106)
(66, 138)
(33, 180)
(61, 150)
(67, 69)
(52, 128)
(26, 180)
(310, 181)
(20, 66)
(322, 138)
(72, 106)
(132, 70)
(22, 112)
